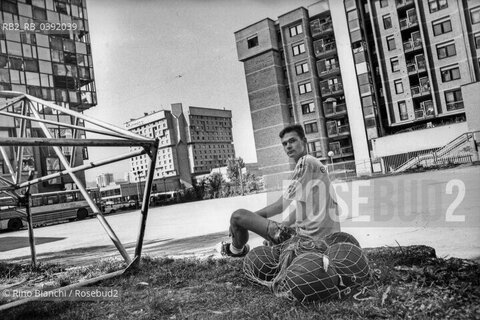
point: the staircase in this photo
(453, 148)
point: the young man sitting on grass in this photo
(316, 212)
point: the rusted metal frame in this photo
(59, 142)
(82, 167)
(11, 102)
(85, 194)
(64, 125)
(22, 133)
(88, 119)
(31, 237)
(7, 162)
(145, 203)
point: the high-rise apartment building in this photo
(209, 138)
(172, 158)
(354, 73)
(45, 52)
(105, 179)
(187, 146)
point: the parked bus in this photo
(164, 198)
(46, 208)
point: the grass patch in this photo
(411, 283)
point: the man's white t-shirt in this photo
(316, 203)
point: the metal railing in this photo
(412, 45)
(434, 156)
(455, 105)
(331, 89)
(320, 50)
(420, 90)
(335, 109)
(408, 22)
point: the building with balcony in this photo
(54, 65)
(399, 65)
(296, 72)
(424, 55)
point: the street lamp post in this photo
(330, 155)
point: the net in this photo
(306, 269)
(308, 278)
(350, 263)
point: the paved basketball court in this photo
(437, 208)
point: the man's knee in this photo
(238, 216)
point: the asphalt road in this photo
(437, 208)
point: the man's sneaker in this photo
(225, 250)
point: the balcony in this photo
(403, 3)
(324, 71)
(409, 22)
(455, 105)
(418, 91)
(412, 45)
(337, 131)
(319, 29)
(414, 68)
(334, 110)
(333, 89)
(324, 50)
(342, 152)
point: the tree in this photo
(234, 168)
(214, 184)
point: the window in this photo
(352, 17)
(301, 68)
(454, 99)
(304, 88)
(441, 27)
(315, 148)
(446, 50)
(398, 86)
(391, 43)
(475, 15)
(402, 110)
(311, 127)
(387, 22)
(308, 108)
(252, 42)
(394, 64)
(383, 3)
(298, 49)
(450, 73)
(477, 41)
(435, 5)
(296, 30)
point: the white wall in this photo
(417, 140)
(350, 85)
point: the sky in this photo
(149, 54)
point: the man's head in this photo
(294, 141)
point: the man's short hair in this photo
(293, 128)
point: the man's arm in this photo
(275, 208)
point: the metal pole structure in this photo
(31, 238)
(83, 167)
(145, 203)
(85, 194)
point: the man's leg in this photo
(241, 222)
